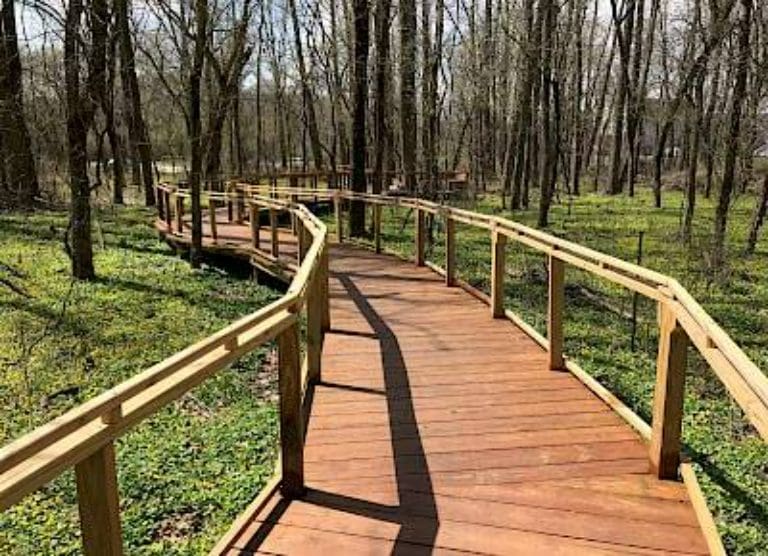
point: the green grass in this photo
(189, 470)
(731, 459)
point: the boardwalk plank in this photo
(438, 430)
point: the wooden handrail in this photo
(742, 378)
(83, 437)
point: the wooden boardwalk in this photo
(436, 429)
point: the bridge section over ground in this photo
(419, 415)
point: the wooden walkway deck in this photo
(438, 430)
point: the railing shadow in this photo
(402, 423)
(416, 511)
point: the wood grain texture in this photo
(444, 431)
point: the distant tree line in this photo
(534, 99)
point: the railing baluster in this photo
(324, 282)
(420, 233)
(168, 214)
(498, 269)
(274, 233)
(212, 212)
(179, 214)
(304, 240)
(97, 498)
(255, 228)
(555, 313)
(238, 206)
(450, 251)
(668, 397)
(314, 325)
(339, 223)
(377, 227)
(291, 423)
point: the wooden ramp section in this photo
(438, 430)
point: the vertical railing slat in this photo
(337, 213)
(420, 239)
(291, 422)
(255, 228)
(377, 228)
(498, 269)
(666, 427)
(98, 502)
(555, 313)
(212, 218)
(450, 251)
(274, 233)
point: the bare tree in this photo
(18, 176)
(357, 210)
(732, 146)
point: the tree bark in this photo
(137, 130)
(408, 90)
(16, 159)
(732, 147)
(759, 218)
(81, 107)
(194, 125)
(310, 119)
(380, 102)
(360, 100)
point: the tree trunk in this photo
(310, 120)
(17, 161)
(194, 126)
(731, 153)
(624, 26)
(137, 130)
(360, 100)
(380, 108)
(80, 112)
(408, 90)
(549, 166)
(759, 218)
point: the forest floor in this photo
(184, 474)
(731, 459)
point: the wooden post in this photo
(498, 268)
(304, 239)
(179, 213)
(377, 227)
(255, 228)
(420, 233)
(97, 499)
(555, 313)
(294, 220)
(274, 233)
(337, 211)
(168, 214)
(668, 396)
(291, 422)
(315, 325)
(238, 206)
(450, 251)
(325, 294)
(212, 217)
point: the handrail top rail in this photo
(103, 417)
(751, 389)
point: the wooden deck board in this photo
(437, 430)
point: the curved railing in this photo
(83, 437)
